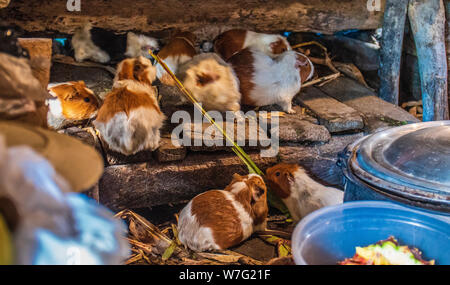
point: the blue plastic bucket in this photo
(331, 234)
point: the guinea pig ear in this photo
(237, 177)
(206, 78)
(68, 92)
(301, 60)
(257, 191)
(278, 46)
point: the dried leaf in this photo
(169, 251)
(283, 249)
(227, 257)
(223, 258)
(133, 259)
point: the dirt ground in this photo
(254, 247)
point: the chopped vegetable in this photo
(386, 252)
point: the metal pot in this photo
(408, 164)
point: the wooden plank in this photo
(40, 51)
(151, 184)
(391, 49)
(147, 16)
(167, 151)
(378, 114)
(334, 115)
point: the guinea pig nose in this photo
(87, 100)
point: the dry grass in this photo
(154, 246)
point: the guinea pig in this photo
(180, 49)
(100, 45)
(212, 82)
(138, 69)
(72, 102)
(231, 42)
(130, 119)
(301, 194)
(265, 80)
(219, 219)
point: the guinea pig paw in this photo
(291, 111)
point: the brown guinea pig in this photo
(233, 41)
(130, 119)
(212, 82)
(73, 102)
(301, 194)
(219, 219)
(180, 49)
(265, 80)
(138, 69)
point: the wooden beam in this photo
(447, 16)
(427, 18)
(195, 15)
(391, 49)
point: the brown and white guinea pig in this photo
(130, 119)
(230, 42)
(219, 219)
(265, 80)
(72, 102)
(180, 49)
(212, 82)
(100, 45)
(301, 194)
(138, 69)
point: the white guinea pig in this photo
(301, 194)
(233, 41)
(219, 219)
(266, 81)
(212, 82)
(100, 45)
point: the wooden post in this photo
(447, 16)
(391, 49)
(427, 18)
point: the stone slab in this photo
(378, 114)
(334, 115)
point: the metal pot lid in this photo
(411, 160)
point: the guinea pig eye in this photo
(277, 173)
(87, 100)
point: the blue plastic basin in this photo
(331, 234)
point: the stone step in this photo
(334, 115)
(143, 185)
(378, 114)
